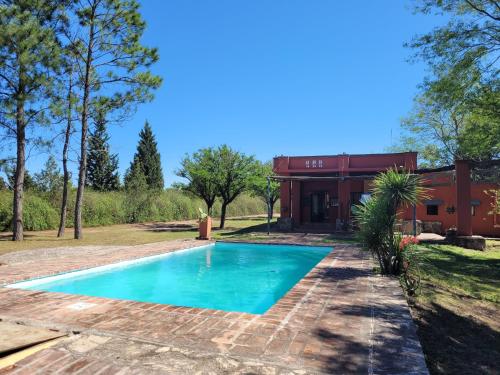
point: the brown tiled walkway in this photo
(339, 319)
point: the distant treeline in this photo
(41, 211)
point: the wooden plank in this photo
(17, 336)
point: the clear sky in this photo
(291, 77)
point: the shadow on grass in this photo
(8, 237)
(162, 227)
(455, 344)
(259, 228)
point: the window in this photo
(432, 209)
(473, 210)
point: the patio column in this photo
(344, 189)
(295, 210)
(285, 202)
(464, 219)
(344, 198)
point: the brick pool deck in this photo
(340, 318)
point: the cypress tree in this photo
(102, 167)
(147, 158)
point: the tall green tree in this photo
(259, 184)
(469, 39)
(114, 68)
(49, 179)
(232, 176)
(29, 54)
(199, 169)
(102, 167)
(148, 159)
(456, 115)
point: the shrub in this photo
(377, 216)
(41, 210)
(38, 214)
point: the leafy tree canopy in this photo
(456, 114)
(259, 185)
(50, 178)
(199, 171)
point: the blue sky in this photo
(275, 77)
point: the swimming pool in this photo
(225, 276)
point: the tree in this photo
(259, 185)
(113, 66)
(10, 172)
(232, 176)
(67, 113)
(469, 39)
(199, 170)
(148, 157)
(456, 115)
(138, 194)
(49, 180)
(102, 168)
(29, 53)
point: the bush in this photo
(41, 210)
(38, 214)
(377, 216)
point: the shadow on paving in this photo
(393, 348)
(334, 274)
(455, 344)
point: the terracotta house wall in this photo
(442, 187)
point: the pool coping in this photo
(124, 263)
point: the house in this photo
(318, 192)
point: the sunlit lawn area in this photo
(126, 234)
(458, 308)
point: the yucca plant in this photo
(392, 191)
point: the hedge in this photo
(41, 211)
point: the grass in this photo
(123, 234)
(457, 309)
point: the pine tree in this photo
(29, 55)
(102, 167)
(114, 68)
(147, 158)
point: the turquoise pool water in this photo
(226, 276)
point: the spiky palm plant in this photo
(392, 191)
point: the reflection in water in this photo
(208, 258)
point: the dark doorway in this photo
(318, 207)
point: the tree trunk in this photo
(83, 142)
(209, 207)
(271, 209)
(223, 215)
(18, 230)
(64, 203)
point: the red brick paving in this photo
(340, 318)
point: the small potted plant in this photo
(205, 225)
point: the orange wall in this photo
(482, 221)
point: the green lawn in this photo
(124, 234)
(457, 310)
